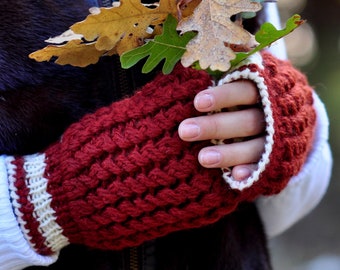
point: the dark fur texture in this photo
(39, 100)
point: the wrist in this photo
(15, 251)
(32, 204)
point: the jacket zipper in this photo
(133, 258)
(123, 77)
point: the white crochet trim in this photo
(255, 58)
(34, 166)
(269, 141)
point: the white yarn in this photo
(15, 252)
(268, 114)
(34, 166)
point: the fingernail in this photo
(204, 101)
(189, 130)
(209, 158)
(241, 174)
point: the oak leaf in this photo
(123, 26)
(212, 20)
(169, 46)
(116, 29)
(73, 52)
(267, 35)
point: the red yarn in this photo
(31, 225)
(294, 124)
(122, 175)
(127, 176)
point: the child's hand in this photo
(242, 156)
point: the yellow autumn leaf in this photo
(113, 30)
(74, 53)
(212, 20)
(127, 23)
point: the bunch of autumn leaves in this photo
(190, 31)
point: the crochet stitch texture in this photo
(122, 176)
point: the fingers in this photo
(229, 155)
(242, 156)
(225, 96)
(227, 124)
(224, 125)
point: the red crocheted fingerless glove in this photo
(122, 176)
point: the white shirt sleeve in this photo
(15, 252)
(305, 190)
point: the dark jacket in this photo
(46, 98)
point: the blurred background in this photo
(314, 242)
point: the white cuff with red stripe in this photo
(38, 199)
(15, 251)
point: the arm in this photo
(122, 176)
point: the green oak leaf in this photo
(267, 35)
(169, 46)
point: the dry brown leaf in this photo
(186, 7)
(73, 53)
(211, 19)
(124, 27)
(110, 31)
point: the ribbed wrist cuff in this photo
(32, 204)
(15, 252)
